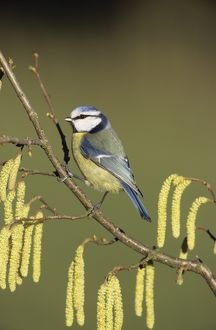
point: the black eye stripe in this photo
(80, 117)
(84, 116)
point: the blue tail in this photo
(136, 201)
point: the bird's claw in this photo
(95, 208)
(69, 173)
(72, 175)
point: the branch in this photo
(27, 172)
(20, 142)
(208, 232)
(35, 69)
(193, 266)
(207, 185)
(44, 204)
(58, 217)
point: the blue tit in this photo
(100, 156)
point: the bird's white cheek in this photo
(87, 124)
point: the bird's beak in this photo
(68, 119)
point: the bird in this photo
(100, 155)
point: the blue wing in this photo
(119, 167)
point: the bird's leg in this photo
(98, 204)
(71, 175)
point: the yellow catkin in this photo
(26, 250)
(20, 198)
(19, 280)
(176, 203)
(21, 211)
(80, 316)
(37, 242)
(179, 278)
(8, 208)
(4, 177)
(139, 291)
(79, 285)
(14, 277)
(178, 179)
(214, 248)
(101, 308)
(183, 255)
(109, 303)
(16, 248)
(25, 210)
(27, 244)
(14, 172)
(191, 220)
(29, 153)
(69, 312)
(162, 209)
(5, 234)
(149, 295)
(117, 305)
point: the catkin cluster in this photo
(109, 305)
(15, 238)
(75, 294)
(180, 184)
(145, 290)
(18, 241)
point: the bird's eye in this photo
(80, 117)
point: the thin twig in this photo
(208, 232)
(51, 114)
(59, 217)
(141, 264)
(27, 172)
(35, 69)
(44, 204)
(206, 184)
(20, 142)
(189, 265)
(99, 241)
(47, 206)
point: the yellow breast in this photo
(97, 176)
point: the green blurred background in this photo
(150, 66)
